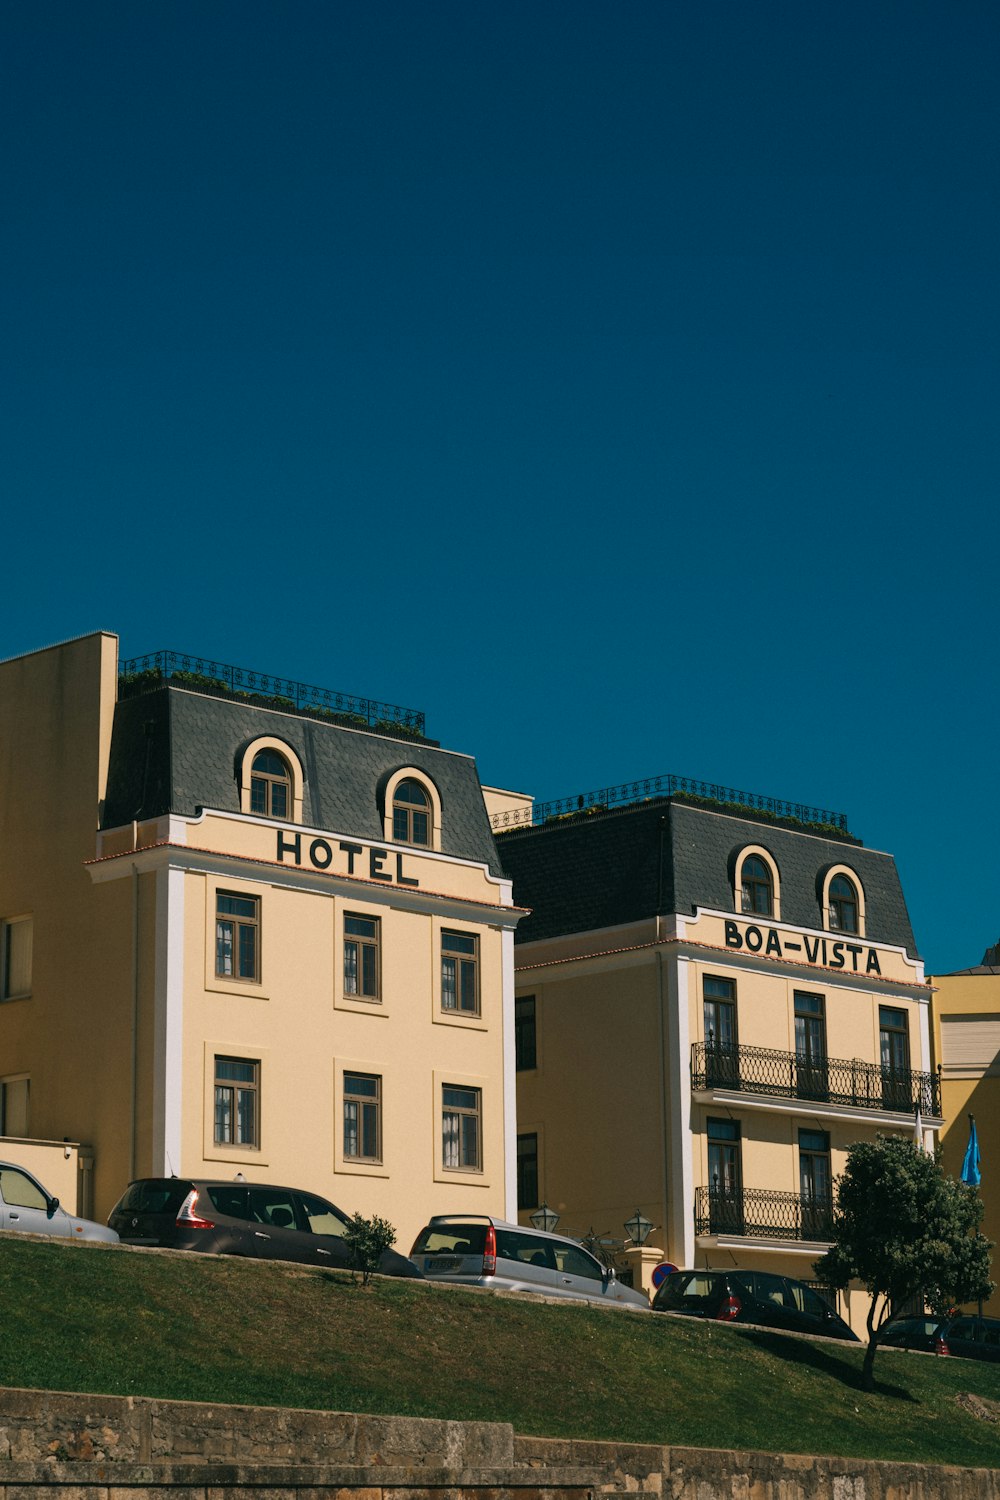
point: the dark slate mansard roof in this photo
(174, 751)
(609, 868)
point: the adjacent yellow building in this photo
(251, 926)
(714, 1000)
(966, 1012)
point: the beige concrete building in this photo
(250, 926)
(713, 1002)
(966, 1012)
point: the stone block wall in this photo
(58, 1446)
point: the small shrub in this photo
(367, 1239)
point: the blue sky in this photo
(617, 383)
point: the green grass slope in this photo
(182, 1327)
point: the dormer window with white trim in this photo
(756, 888)
(270, 785)
(412, 818)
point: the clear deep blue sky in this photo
(615, 382)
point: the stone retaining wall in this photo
(56, 1446)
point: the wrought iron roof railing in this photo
(830, 1080)
(199, 674)
(762, 1214)
(667, 786)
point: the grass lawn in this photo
(179, 1326)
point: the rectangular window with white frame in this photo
(16, 937)
(361, 957)
(460, 972)
(237, 1102)
(237, 936)
(362, 1117)
(462, 1128)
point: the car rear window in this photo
(526, 1248)
(451, 1239)
(154, 1196)
(689, 1289)
(232, 1200)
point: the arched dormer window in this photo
(270, 779)
(843, 900)
(270, 785)
(412, 816)
(757, 890)
(843, 905)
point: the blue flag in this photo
(970, 1166)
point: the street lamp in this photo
(546, 1218)
(638, 1228)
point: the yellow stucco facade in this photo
(133, 1000)
(627, 1102)
(966, 1017)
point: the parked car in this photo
(760, 1297)
(966, 1335)
(239, 1218)
(27, 1207)
(473, 1250)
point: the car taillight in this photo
(188, 1217)
(941, 1344)
(490, 1252)
(730, 1309)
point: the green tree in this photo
(367, 1239)
(904, 1229)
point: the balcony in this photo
(831, 1080)
(762, 1214)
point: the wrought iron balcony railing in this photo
(667, 786)
(762, 1214)
(831, 1080)
(200, 675)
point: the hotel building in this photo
(247, 925)
(716, 994)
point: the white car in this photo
(26, 1207)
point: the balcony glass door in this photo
(815, 1184)
(725, 1178)
(894, 1046)
(721, 1052)
(812, 1076)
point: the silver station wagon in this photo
(479, 1251)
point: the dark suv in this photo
(239, 1218)
(965, 1335)
(759, 1297)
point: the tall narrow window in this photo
(237, 936)
(237, 1114)
(362, 1117)
(361, 954)
(894, 1046)
(14, 1106)
(527, 1171)
(525, 1055)
(812, 1079)
(270, 785)
(460, 972)
(15, 958)
(721, 1052)
(843, 905)
(757, 890)
(462, 1128)
(411, 815)
(725, 1177)
(815, 1184)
